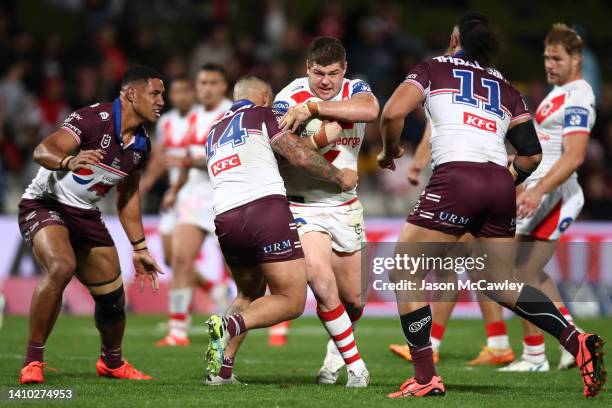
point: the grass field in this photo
(284, 376)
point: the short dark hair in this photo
(211, 66)
(480, 39)
(326, 51)
(568, 37)
(139, 73)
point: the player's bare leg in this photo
(321, 279)
(52, 250)
(287, 283)
(186, 243)
(99, 270)
(253, 286)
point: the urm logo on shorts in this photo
(277, 247)
(453, 218)
(416, 326)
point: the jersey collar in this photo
(140, 138)
(459, 54)
(241, 103)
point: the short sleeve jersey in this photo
(470, 109)
(568, 109)
(240, 159)
(95, 127)
(173, 131)
(302, 188)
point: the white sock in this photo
(179, 301)
(498, 342)
(435, 343)
(535, 351)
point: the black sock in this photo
(417, 329)
(535, 306)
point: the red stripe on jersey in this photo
(331, 155)
(548, 225)
(345, 91)
(301, 96)
(548, 108)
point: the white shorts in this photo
(344, 224)
(557, 210)
(194, 206)
(167, 221)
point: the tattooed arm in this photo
(301, 153)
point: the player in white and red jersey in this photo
(256, 230)
(191, 195)
(96, 148)
(471, 191)
(330, 222)
(552, 198)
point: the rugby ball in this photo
(312, 126)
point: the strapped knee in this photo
(110, 307)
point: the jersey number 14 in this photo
(234, 133)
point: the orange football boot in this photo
(491, 356)
(32, 373)
(411, 389)
(590, 362)
(403, 351)
(173, 341)
(125, 372)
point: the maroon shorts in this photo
(461, 197)
(260, 231)
(86, 228)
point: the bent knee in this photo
(61, 269)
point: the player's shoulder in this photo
(89, 118)
(580, 91)
(357, 85)
(100, 110)
(294, 87)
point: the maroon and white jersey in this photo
(470, 109)
(241, 162)
(567, 109)
(302, 188)
(95, 127)
(174, 131)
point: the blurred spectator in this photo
(215, 48)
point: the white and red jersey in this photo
(567, 109)
(241, 162)
(302, 188)
(173, 131)
(197, 140)
(470, 109)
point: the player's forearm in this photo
(567, 164)
(390, 129)
(130, 215)
(354, 110)
(49, 156)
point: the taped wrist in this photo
(521, 175)
(110, 307)
(524, 139)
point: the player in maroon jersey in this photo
(472, 108)
(96, 148)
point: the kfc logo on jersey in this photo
(225, 164)
(106, 139)
(480, 123)
(104, 115)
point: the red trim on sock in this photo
(496, 328)
(343, 335)
(355, 316)
(437, 331)
(332, 314)
(346, 348)
(179, 316)
(352, 359)
(564, 311)
(534, 340)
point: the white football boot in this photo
(523, 365)
(332, 364)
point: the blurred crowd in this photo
(78, 59)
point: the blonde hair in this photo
(568, 37)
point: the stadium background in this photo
(59, 55)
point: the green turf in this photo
(285, 376)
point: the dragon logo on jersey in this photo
(83, 176)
